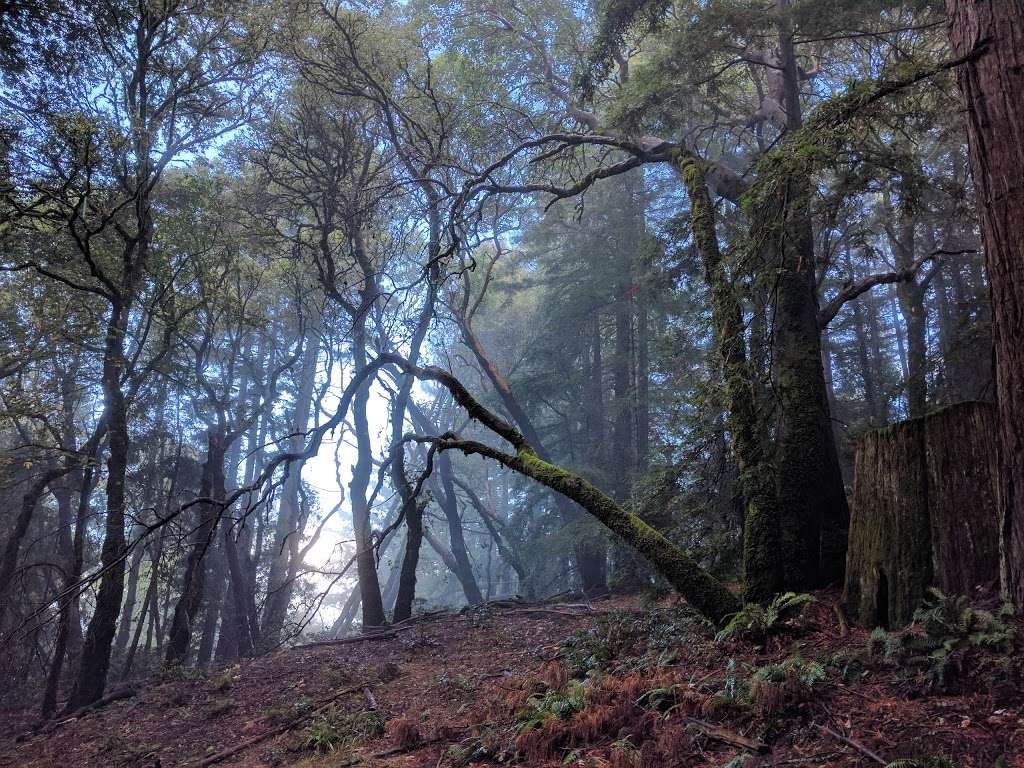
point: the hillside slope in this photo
(609, 684)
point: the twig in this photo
(851, 743)
(242, 746)
(118, 695)
(412, 747)
(844, 629)
(726, 736)
(384, 635)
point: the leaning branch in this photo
(828, 312)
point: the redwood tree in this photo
(992, 83)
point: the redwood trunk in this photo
(993, 88)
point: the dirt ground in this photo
(452, 690)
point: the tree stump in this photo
(924, 512)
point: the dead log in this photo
(924, 513)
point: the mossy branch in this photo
(817, 144)
(701, 590)
(697, 586)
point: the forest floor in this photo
(616, 683)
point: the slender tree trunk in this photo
(993, 89)
(590, 555)
(449, 503)
(412, 508)
(95, 660)
(216, 609)
(203, 538)
(289, 532)
(366, 568)
(68, 626)
(867, 368)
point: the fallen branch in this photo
(724, 735)
(242, 746)
(118, 695)
(851, 743)
(385, 635)
(422, 743)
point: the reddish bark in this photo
(993, 89)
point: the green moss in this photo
(761, 552)
(704, 592)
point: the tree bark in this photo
(95, 659)
(812, 498)
(289, 532)
(762, 563)
(203, 538)
(924, 512)
(993, 89)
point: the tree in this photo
(992, 83)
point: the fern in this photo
(756, 622)
(933, 761)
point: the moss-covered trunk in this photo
(761, 555)
(810, 485)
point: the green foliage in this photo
(561, 704)
(922, 762)
(883, 643)
(756, 623)
(947, 636)
(790, 682)
(737, 762)
(769, 688)
(334, 729)
(484, 744)
(615, 635)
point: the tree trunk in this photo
(762, 564)
(590, 554)
(993, 89)
(812, 498)
(289, 532)
(923, 512)
(366, 568)
(876, 417)
(68, 625)
(95, 660)
(449, 503)
(203, 538)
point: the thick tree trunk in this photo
(993, 88)
(812, 498)
(923, 512)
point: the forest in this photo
(604, 383)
